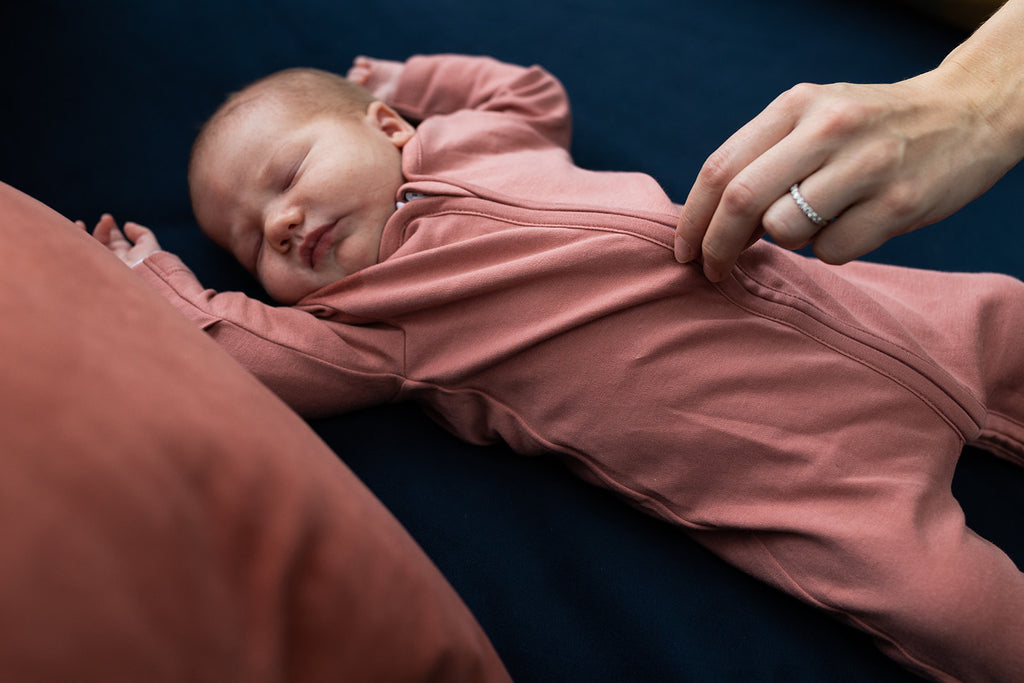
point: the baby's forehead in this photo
(259, 108)
(246, 130)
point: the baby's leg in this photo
(874, 536)
(850, 506)
(894, 558)
(971, 325)
(823, 412)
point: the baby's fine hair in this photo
(310, 92)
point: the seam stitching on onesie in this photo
(996, 439)
(304, 354)
(225, 321)
(824, 315)
(637, 495)
(152, 265)
(541, 224)
(479, 194)
(825, 319)
(828, 608)
(924, 399)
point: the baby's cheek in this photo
(358, 252)
(284, 284)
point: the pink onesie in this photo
(800, 420)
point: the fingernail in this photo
(684, 252)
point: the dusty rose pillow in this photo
(164, 518)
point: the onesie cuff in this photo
(139, 262)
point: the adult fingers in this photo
(739, 218)
(870, 223)
(719, 172)
(821, 206)
(748, 174)
(849, 237)
(740, 215)
(860, 215)
(848, 225)
(805, 208)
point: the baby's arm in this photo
(308, 362)
(443, 84)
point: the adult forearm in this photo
(989, 69)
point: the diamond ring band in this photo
(813, 215)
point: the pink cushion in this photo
(163, 517)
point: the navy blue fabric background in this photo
(100, 102)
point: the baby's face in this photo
(301, 202)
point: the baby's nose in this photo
(281, 226)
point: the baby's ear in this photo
(388, 121)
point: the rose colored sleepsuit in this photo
(800, 420)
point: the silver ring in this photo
(794, 191)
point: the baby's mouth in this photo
(314, 244)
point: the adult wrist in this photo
(988, 69)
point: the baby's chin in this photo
(291, 295)
(336, 266)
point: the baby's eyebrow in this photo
(266, 170)
(281, 150)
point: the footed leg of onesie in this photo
(999, 321)
(902, 566)
(812, 435)
(872, 532)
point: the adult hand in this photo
(881, 160)
(131, 246)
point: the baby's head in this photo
(296, 176)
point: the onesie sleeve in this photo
(444, 84)
(309, 363)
